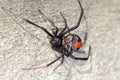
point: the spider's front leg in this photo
(37, 67)
(52, 23)
(62, 56)
(42, 28)
(60, 62)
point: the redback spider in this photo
(62, 42)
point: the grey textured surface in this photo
(18, 49)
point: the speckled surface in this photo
(19, 49)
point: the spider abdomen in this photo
(71, 42)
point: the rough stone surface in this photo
(19, 49)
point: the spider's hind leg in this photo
(85, 38)
(79, 20)
(65, 22)
(78, 58)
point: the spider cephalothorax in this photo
(64, 42)
(56, 41)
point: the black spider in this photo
(63, 42)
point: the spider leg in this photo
(85, 38)
(80, 51)
(9, 13)
(78, 23)
(37, 67)
(38, 27)
(60, 62)
(53, 61)
(86, 32)
(65, 22)
(77, 58)
(45, 17)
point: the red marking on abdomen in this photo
(78, 44)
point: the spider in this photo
(63, 42)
